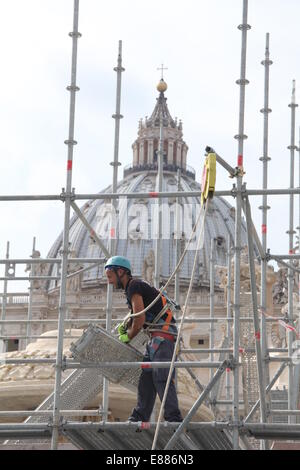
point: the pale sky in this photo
(197, 40)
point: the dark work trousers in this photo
(153, 381)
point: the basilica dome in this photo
(135, 230)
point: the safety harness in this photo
(163, 326)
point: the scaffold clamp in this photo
(208, 178)
(231, 363)
(64, 363)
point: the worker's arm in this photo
(138, 322)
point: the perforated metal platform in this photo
(97, 345)
(82, 385)
(76, 391)
(130, 437)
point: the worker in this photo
(161, 343)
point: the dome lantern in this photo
(145, 147)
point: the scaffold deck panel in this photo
(83, 385)
(77, 390)
(132, 438)
(279, 401)
(97, 345)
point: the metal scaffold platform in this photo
(132, 436)
(82, 385)
(97, 345)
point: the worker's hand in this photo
(122, 330)
(124, 338)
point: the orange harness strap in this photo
(169, 317)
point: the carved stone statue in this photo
(37, 269)
(244, 273)
(278, 336)
(221, 272)
(280, 288)
(148, 267)
(245, 284)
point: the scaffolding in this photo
(231, 433)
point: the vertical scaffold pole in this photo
(242, 82)
(29, 314)
(292, 147)
(260, 370)
(297, 366)
(299, 229)
(264, 207)
(65, 251)
(212, 301)
(114, 213)
(159, 184)
(299, 233)
(4, 301)
(178, 232)
(228, 326)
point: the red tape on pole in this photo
(146, 366)
(145, 425)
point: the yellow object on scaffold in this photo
(208, 178)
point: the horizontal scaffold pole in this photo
(277, 257)
(11, 414)
(148, 195)
(32, 278)
(50, 260)
(102, 320)
(113, 365)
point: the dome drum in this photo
(130, 169)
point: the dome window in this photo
(220, 241)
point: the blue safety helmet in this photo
(118, 262)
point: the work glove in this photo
(122, 329)
(124, 338)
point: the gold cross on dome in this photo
(162, 68)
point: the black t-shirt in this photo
(148, 293)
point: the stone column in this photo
(170, 152)
(184, 153)
(178, 155)
(135, 154)
(142, 154)
(150, 152)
